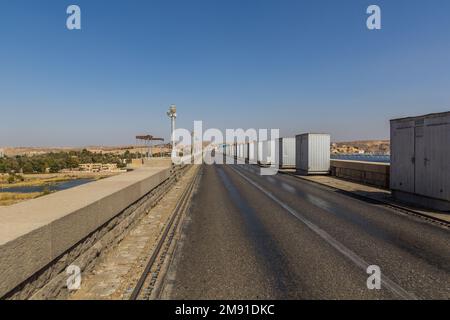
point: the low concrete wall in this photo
(158, 162)
(150, 162)
(35, 233)
(370, 173)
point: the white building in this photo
(2, 153)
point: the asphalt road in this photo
(278, 237)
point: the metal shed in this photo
(246, 153)
(420, 160)
(239, 151)
(260, 151)
(267, 152)
(253, 152)
(285, 152)
(312, 153)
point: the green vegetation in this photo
(58, 161)
(13, 178)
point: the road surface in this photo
(279, 237)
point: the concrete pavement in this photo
(279, 237)
(371, 192)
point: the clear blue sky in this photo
(295, 65)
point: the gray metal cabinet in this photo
(285, 152)
(420, 155)
(260, 151)
(313, 153)
(246, 153)
(267, 152)
(253, 152)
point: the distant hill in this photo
(29, 151)
(349, 147)
(363, 146)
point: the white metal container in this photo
(264, 153)
(312, 153)
(285, 153)
(246, 155)
(253, 152)
(268, 154)
(420, 160)
(260, 151)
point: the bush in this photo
(59, 160)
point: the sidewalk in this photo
(373, 193)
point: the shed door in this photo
(437, 161)
(403, 159)
(420, 162)
(304, 153)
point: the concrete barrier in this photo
(150, 162)
(370, 173)
(158, 162)
(35, 233)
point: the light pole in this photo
(172, 114)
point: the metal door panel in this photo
(402, 158)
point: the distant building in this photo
(99, 167)
(2, 153)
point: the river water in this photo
(362, 157)
(58, 186)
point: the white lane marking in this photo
(388, 283)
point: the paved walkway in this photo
(374, 193)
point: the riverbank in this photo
(10, 198)
(36, 185)
(36, 180)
